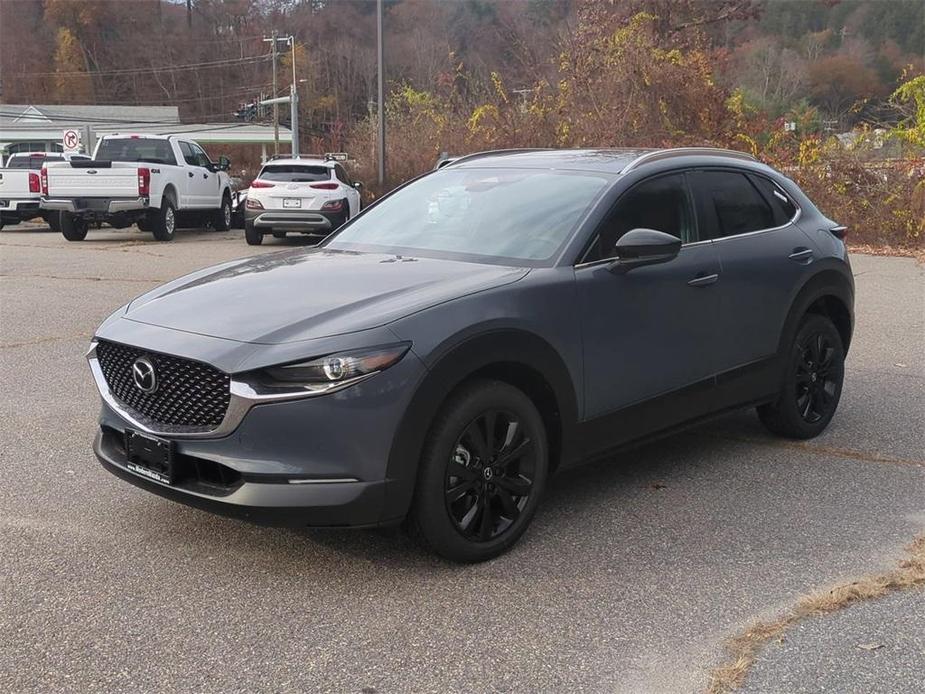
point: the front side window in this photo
(660, 203)
(199, 153)
(736, 205)
(294, 173)
(516, 216)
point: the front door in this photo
(651, 331)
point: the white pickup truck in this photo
(158, 182)
(21, 188)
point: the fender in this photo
(537, 360)
(830, 281)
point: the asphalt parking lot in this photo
(633, 575)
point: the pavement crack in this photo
(41, 341)
(817, 449)
(743, 649)
(86, 278)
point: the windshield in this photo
(505, 215)
(143, 149)
(292, 173)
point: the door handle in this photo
(189, 173)
(205, 175)
(801, 254)
(703, 280)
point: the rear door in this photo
(651, 331)
(764, 258)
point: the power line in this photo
(138, 71)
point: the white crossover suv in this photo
(305, 194)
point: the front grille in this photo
(189, 395)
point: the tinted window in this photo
(660, 203)
(296, 173)
(493, 215)
(737, 205)
(342, 173)
(783, 208)
(202, 159)
(140, 149)
(30, 162)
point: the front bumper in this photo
(311, 221)
(95, 205)
(310, 461)
(272, 501)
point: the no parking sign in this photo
(71, 140)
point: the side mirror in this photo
(224, 163)
(641, 247)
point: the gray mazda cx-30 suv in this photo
(483, 326)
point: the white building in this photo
(40, 128)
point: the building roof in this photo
(38, 122)
(64, 115)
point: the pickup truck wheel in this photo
(164, 223)
(222, 221)
(53, 220)
(73, 228)
(252, 235)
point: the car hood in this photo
(306, 294)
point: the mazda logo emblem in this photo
(144, 376)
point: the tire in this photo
(279, 234)
(454, 486)
(222, 219)
(163, 224)
(814, 371)
(53, 220)
(252, 235)
(73, 228)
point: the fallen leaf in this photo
(870, 646)
(659, 485)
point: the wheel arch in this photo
(829, 293)
(170, 192)
(517, 357)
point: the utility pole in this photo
(294, 102)
(272, 40)
(381, 93)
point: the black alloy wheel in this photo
(815, 378)
(482, 472)
(812, 382)
(489, 478)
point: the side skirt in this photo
(746, 386)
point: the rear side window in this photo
(781, 204)
(140, 149)
(737, 205)
(30, 162)
(295, 173)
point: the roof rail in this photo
(495, 152)
(660, 154)
(323, 157)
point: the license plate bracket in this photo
(292, 202)
(149, 456)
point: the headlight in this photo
(324, 374)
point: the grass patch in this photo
(743, 649)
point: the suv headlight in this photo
(322, 375)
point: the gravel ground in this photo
(635, 572)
